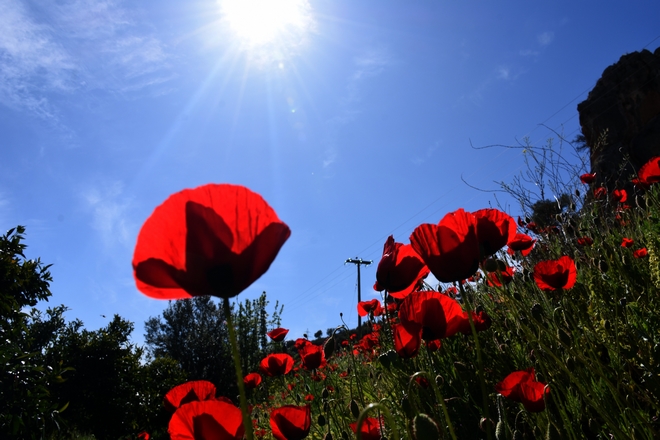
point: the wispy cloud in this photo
(57, 48)
(545, 38)
(369, 64)
(108, 209)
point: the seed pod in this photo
(384, 360)
(537, 312)
(355, 410)
(321, 420)
(424, 428)
(325, 393)
(328, 436)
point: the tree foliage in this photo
(193, 332)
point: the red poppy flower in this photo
(252, 380)
(188, 392)
(555, 274)
(370, 429)
(600, 192)
(309, 398)
(211, 240)
(503, 277)
(588, 178)
(641, 253)
(278, 334)
(585, 241)
(481, 322)
(291, 422)
(144, 435)
(649, 173)
(372, 306)
(521, 386)
(406, 344)
(312, 356)
(209, 419)
(276, 364)
(522, 242)
(433, 345)
(450, 249)
(620, 195)
(494, 230)
(400, 269)
(433, 312)
(627, 242)
(301, 342)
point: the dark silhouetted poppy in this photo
(620, 195)
(252, 380)
(370, 429)
(433, 345)
(312, 356)
(207, 420)
(372, 306)
(588, 178)
(502, 277)
(399, 269)
(627, 242)
(585, 241)
(641, 253)
(211, 240)
(276, 364)
(521, 386)
(555, 274)
(522, 242)
(434, 312)
(450, 249)
(290, 422)
(600, 192)
(406, 344)
(188, 392)
(481, 322)
(494, 230)
(649, 173)
(278, 334)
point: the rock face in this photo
(624, 110)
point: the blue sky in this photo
(354, 124)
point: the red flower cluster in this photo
(400, 269)
(211, 240)
(278, 334)
(453, 248)
(276, 364)
(373, 306)
(291, 422)
(521, 386)
(555, 274)
(199, 415)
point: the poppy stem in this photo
(480, 363)
(247, 422)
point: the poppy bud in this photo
(344, 435)
(537, 311)
(328, 436)
(406, 406)
(325, 393)
(499, 431)
(384, 360)
(485, 424)
(321, 420)
(577, 192)
(490, 265)
(565, 338)
(355, 410)
(517, 435)
(425, 428)
(570, 364)
(439, 380)
(329, 347)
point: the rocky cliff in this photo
(620, 118)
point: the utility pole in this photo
(358, 262)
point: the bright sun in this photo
(259, 22)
